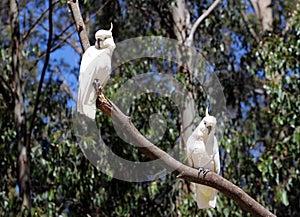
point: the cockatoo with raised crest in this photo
(95, 69)
(203, 154)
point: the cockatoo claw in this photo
(97, 85)
(203, 170)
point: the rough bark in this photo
(264, 13)
(181, 18)
(19, 108)
(177, 168)
(80, 26)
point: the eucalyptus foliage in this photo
(259, 148)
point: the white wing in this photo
(206, 197)
(95, 64)
(217, 167)
(198, 156)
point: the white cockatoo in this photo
(203, 154)
(95, 69)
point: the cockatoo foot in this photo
(203, 170)
(97, 85)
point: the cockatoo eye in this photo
(204, 122)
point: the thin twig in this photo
(73, 44)
(63, 39)
(47, 58)
(98, 11)
(57, 46)
(200, 19)
(251, 30)
(25, 35)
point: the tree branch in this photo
(246, 21)
(73, 44)
(80, 26)
(47, 58)
(23, 147)
(177, 168)
(61, 42)
(27, 33)
(150, 150)
(200, 19)
(56, 46)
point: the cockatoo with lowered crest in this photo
(95, 69)
(203, 154)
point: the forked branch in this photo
(177, 168)
(211, 179)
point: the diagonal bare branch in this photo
(200, 19)
(211, 179)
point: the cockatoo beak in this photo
(98, 43)
(209, 129)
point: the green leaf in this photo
(284, 198)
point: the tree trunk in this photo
(184, 30)
(182, 27)
(264, 13)
(19, 108)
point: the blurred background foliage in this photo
(259, 149)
